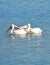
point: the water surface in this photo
(30, 49)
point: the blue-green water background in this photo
(29, 50)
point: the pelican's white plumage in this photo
(19, 30)
(24, 30)
(36, 30)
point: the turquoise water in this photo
(30, 49)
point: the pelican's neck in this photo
(12, 29)
(28, 28)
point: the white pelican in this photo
(36, 31)
(17, 30)
(11, 28)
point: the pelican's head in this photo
(11, 27)
(28, 25)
